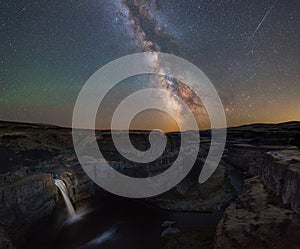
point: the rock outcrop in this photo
(214, 194)
(25, 198)
(266, 214)
(254, 221)
(280, 172)
(30, 156)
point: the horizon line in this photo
(145, 130)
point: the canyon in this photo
(256, 186)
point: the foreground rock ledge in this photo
(256, 220)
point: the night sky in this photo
(250, 50)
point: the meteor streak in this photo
(263, 20)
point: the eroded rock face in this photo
(30, 155)
(266, 215)
(214, 194)
(66, 167)
(277, 167)
(26, 200)
(280, 171)
(28, 195)
(254, 222)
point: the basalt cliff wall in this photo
(266, 214)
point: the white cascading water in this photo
(63, 189)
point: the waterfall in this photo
(63, 189)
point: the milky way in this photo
(148, 34)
